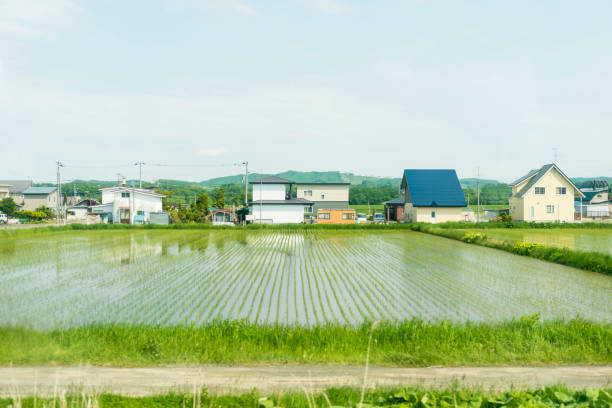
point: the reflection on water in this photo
(309, 277)
(581, 239)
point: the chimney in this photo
(123, 182)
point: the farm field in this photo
(193, 277)
(363, 208)
(598, 240)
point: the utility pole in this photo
(140, 164)
(59, 191)
(478, 191)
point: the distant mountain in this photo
(471, 182)
(306, 177)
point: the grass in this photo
(525, 341)
(363, 208)
(587, 260)
(553, 396)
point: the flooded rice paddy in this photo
(170, 277)
(599, 240)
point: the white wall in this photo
(137, 201)
(278, 213)
(268, 192)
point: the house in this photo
(16, 189)
(394, 209)
(81, 210)
(596, 201)
(335, 216)
(328, 196)
(272, 202)
(544, 195)
(128, 205)
(432, 196)
(35, 197)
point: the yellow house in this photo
(544, 195)
(432, 196)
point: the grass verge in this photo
(409, 343)
(587, 260)
(554, 396)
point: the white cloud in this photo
(33, 17)
(245, 9)
(212, 152)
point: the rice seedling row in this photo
(191, 277)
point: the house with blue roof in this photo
(544, 195)
(432, 195)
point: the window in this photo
(433, 214)
(540, 190)
(322, 196)
(307, 193)
(324, 216)
(140, 212)
(125, 194)
(307, 209)
(561, 190)
(598, 195)
(348, 216)
(550, 209)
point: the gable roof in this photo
(536, 175)
(134, 189)
(433, 188)
(39, 190)
(271, 180)
(398, 200)
(17, 186)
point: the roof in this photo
(17, 186)
(433, 188)
(39, 190)
(536, 175)
(271, 180)
(127, 188)
(322, 184)
(292, 201)
(399, 200)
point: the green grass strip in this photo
(554, 396)
(587, 260)
(407, 343)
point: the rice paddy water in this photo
(169, 277)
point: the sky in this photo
(193, 87)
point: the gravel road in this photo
(220, 379)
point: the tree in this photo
(219, 198)
(8, 206)
(46, 210)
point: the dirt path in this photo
(218, 379)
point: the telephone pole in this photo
(59, 191)
(140, 164)
(478, 191)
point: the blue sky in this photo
(361, 86)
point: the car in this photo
(3, 218)
(361, 219)
(379, 218)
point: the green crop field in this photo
(175, 277)
(582, 239)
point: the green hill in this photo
(306, 177)
(471, 182)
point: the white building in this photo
(272, 202)
(128, 205)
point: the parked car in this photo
(379, 218)
(3, 218)
(361, 219)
